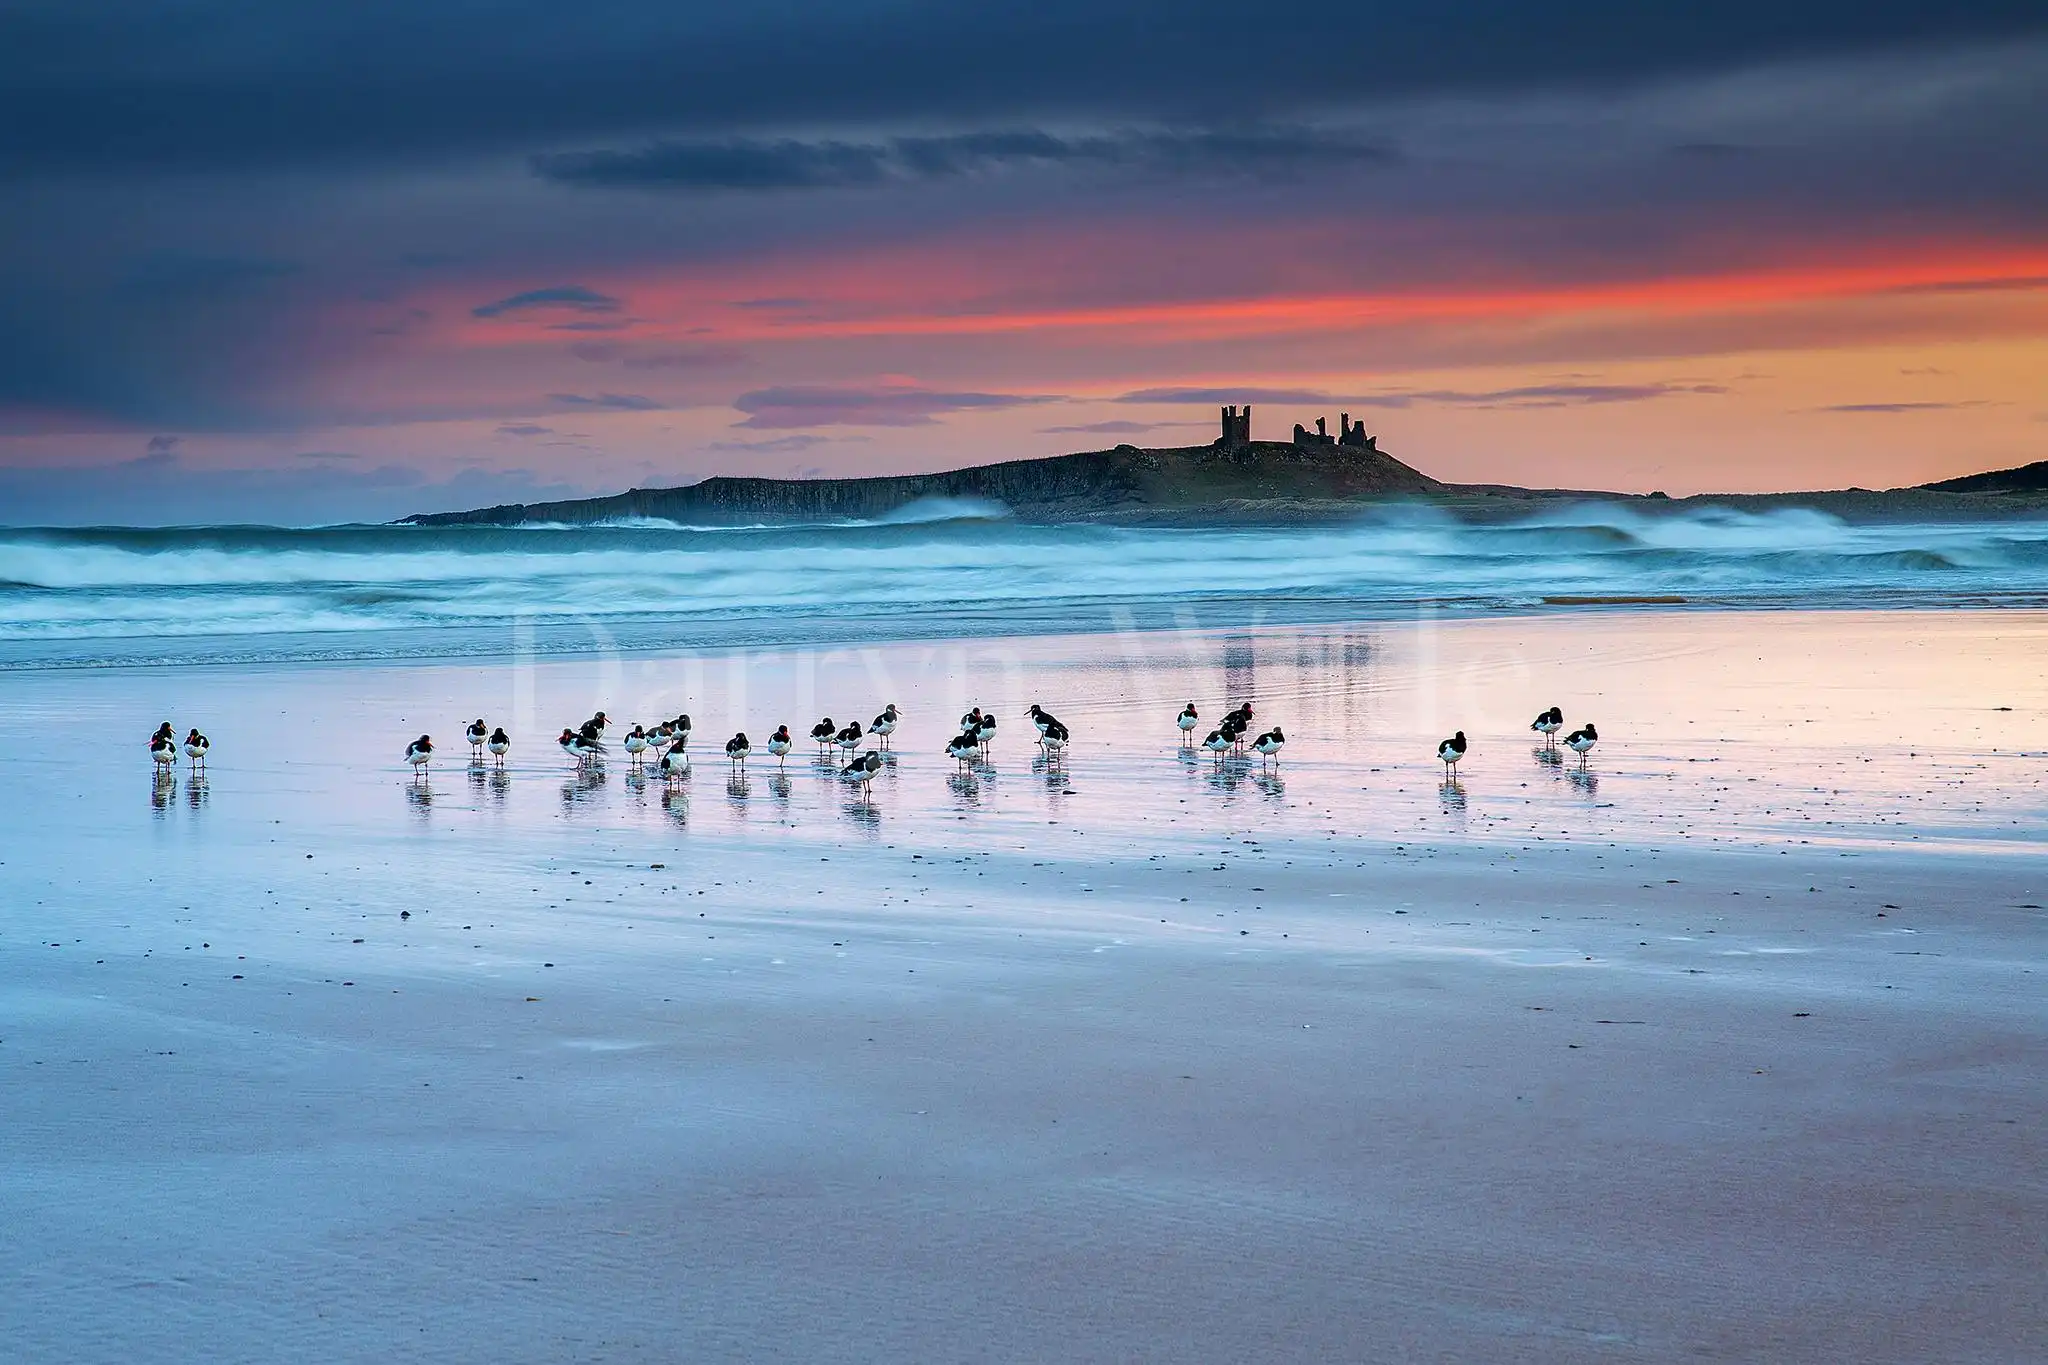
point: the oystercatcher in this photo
(737, 748)
(822, 733)
(1187, 721)
(779, 744)
(1270, 744)
(1547, 724)
(885, 724)
(985, 732)
(679, 732)
(1581, 741)
(971, 721)
(848, 738)
(1450, 753)
(476, 734)
(1219, 744)
(1054, 740)
(674, 765)
(163, 750)
(963, 748)
(499, 744)
(196, 746)
(420, 753)
(636, 743)
(1043, 719)
(862, 770)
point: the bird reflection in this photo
(865, 814)
(420, 796)
(965, 786)
(500, 784)
(196, 790)
(1547, 757)
(675, 803)
(738, 787)
(582, 786)
(1585, 780)
(162, 790)
(1271, 783)
(1452, 793)
(779, 786)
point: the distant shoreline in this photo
(1254, 483)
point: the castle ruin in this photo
(1347, 435)
(1237, 427)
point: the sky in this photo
(293, 263)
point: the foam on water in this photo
(959, 566)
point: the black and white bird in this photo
(737, 748)
(596, 724)
(985, 732)
(849, 737)
(636, 743)
(1450, 753)
(1043, 719)
(420, 753)
(679, 732)
(1236, 724)
(196, 746)
(1218, 744)
(964, 747)
(862, 770)
(1547, 724)
(1054, 739)
(674, 765)
(1582, 740)
(476, 734)
(885, 724)
(1188, 720)
(779, 744)
(823, 732)
(583, 746)
(971, 721)
(1270, 744)
(499, 744)
(163, 749)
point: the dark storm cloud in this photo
(570, 296)
(96, 83)
(801, 405)
(787, 163)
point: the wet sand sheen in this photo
(1130, 1061)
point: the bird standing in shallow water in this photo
(849, 737)
(1188, 720)
(636, 743)
(163, 750)
(476, 734)
(1581, 741)
(674, 765)
(779, 744)
(420, 753)
(499, 744)
(1270, 744)
(1450, 752)
(985, 732)
(885, 724)
(737, 748)
(862, 771)
(1547, 724)
(822, 734)
(963, 748)
(196, 746)
(1218, 744)
(1054, 740)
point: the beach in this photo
(1727, 1046)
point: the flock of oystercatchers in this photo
(666, 745)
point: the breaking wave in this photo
(940, 567)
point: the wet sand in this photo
(1699, 1055)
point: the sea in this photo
(99, 597)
